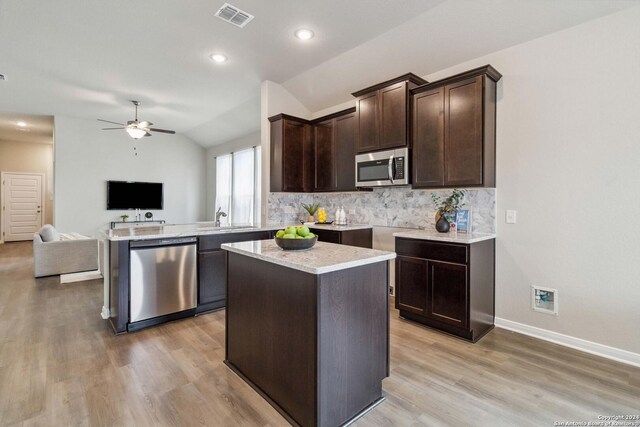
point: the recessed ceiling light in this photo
(219, 58)
(304, 34)
(21, 124)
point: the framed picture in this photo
(463, 221)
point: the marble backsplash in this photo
(387, 207)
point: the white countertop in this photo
(322, 258)
(181, 230)
(452, 236)
(347, 227)
(203, 228)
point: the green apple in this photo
(310, 236)
(303, 230)
(291, 230)
(289, 236)
(299, 237)
(279, 234)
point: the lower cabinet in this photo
(447, 286)
(212, 267)
(362, 238)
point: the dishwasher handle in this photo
(154, 243)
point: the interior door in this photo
(22, 205)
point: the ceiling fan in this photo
(136, 129)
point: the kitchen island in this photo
(309, 330)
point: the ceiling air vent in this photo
(233, 15)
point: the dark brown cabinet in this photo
(212, 267)
(335, 152)
(362, 238)
(382, 114)
(291, 154)
(453, 138)
(447, 286)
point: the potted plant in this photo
(124, 217)
(311, 209)
(447, 208)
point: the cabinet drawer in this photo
(438, 251)
(213, 241)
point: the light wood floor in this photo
(60, 364)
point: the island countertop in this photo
(322, 258)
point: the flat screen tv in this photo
(134, 195)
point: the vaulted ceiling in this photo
(87, 58)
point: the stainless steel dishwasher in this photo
(163, 278)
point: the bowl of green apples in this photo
(295, 238)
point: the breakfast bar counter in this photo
(309, 330)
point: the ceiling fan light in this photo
(135, 132)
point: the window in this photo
(238, 186)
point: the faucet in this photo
(219, 214)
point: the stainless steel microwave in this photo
(383, 168)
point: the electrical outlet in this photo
(511, 216)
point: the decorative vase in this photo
(311, 218)
(442, 224)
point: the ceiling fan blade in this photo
(162, 130)
(111, 128)
(144, 124)
(108, 121)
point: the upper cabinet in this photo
(335, 138)
(291, 155)
(453, 136)
(382, 114)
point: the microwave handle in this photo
(391, 171)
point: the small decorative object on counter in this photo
(341, 216)
(322, 216)
(124, 218)
(447, 208)
(463, 221)
(311, 209)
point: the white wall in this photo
(568, 157)
(247, 141)
(86, 157)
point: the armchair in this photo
(69, 253)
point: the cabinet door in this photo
(367, 130)
(212, 276)
(330, 236)
(428, 138)
(293, 156)
(447, 289)
(325, 167)
(345, 146)
(393, 116)
(463, 133)
(411, 285)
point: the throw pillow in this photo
(49, 233)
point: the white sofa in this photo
(55, 253)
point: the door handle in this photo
(390, 170)
(38, 212)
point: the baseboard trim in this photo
(105, 313)
(601, 350)
(80, 277)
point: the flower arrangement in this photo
(450, 205)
